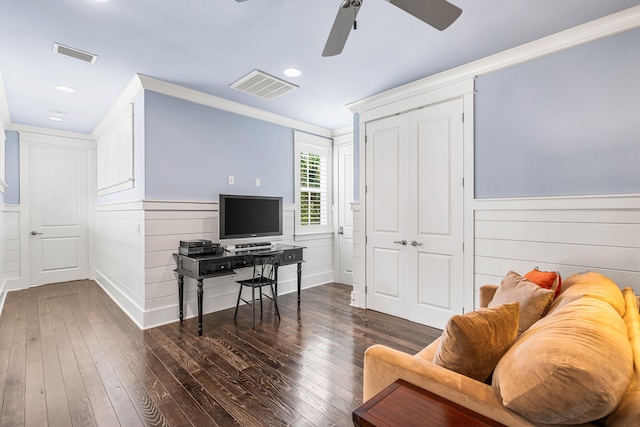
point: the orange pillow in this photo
(545, 279)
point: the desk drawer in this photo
(292, 257)
(243, 261)
(212, 267)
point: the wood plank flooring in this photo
(70, 357)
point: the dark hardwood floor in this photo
(70, 357)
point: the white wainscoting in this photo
(9, 250)
(359, 254)
(119, 249)
(567, 234)
(136, 269)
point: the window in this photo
(313, 186)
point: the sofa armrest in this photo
(487, 293)
(384, 365)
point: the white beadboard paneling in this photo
(120, 258)
(10, 262)
(570, 235)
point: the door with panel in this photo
(58, 214)
(414, 183)
(345, 215)
(387, 225)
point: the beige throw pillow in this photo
(472, 344)
(534, 300)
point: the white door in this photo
(387, 200)
(415, 214)
(345, 215)
(58, 214)
(436, 261)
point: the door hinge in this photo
(366, 239)
(366, 189)
(462, 246)
(365, 139)
(462, 117)
(463, 182)
(365, 289)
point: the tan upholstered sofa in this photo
(578, 365)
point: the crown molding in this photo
(119, 107)
(46, 136)
(616, 23)
(208, 100)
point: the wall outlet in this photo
(232, 180)
(257, 182)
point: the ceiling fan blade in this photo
(341, 27)
(437, 13)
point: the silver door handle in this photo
(340, 230)
(35, 233)
(400, 242)
(414, 243)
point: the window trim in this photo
(308, 143)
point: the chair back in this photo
(265, 264)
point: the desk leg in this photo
(299, 280)
(200, 292)
(181, 294)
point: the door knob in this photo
(340, 230)
(414, 243)
(35, 233)
(400, 242)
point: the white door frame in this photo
(54, 139)
(338, 141)
(419, 97)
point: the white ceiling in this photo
(207, 45)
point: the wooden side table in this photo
(404, 404)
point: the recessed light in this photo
(292, 72)
(65, 89)
(55, 119)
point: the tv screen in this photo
(249, 216)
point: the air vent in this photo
(263, 85)
(74, 53)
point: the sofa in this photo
(577, 364)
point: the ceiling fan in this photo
(437, 13)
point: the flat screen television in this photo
(249, 216)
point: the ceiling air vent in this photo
(74, 53)
(263, 85)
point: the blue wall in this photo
(12, 172)
(191, 149)
(564, 124)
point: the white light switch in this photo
(257, 182)
(232, 180)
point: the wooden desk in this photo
(403, 404)
(201, 267)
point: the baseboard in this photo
(3, 295)
(130, 308)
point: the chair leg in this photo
(237, 304)
(275, 301)
(260, 302)
(253, 307)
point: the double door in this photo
(414, 214)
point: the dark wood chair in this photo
(265, 273)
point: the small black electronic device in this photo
(198, 243)
(213, 248)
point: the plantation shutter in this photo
(313, 183)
